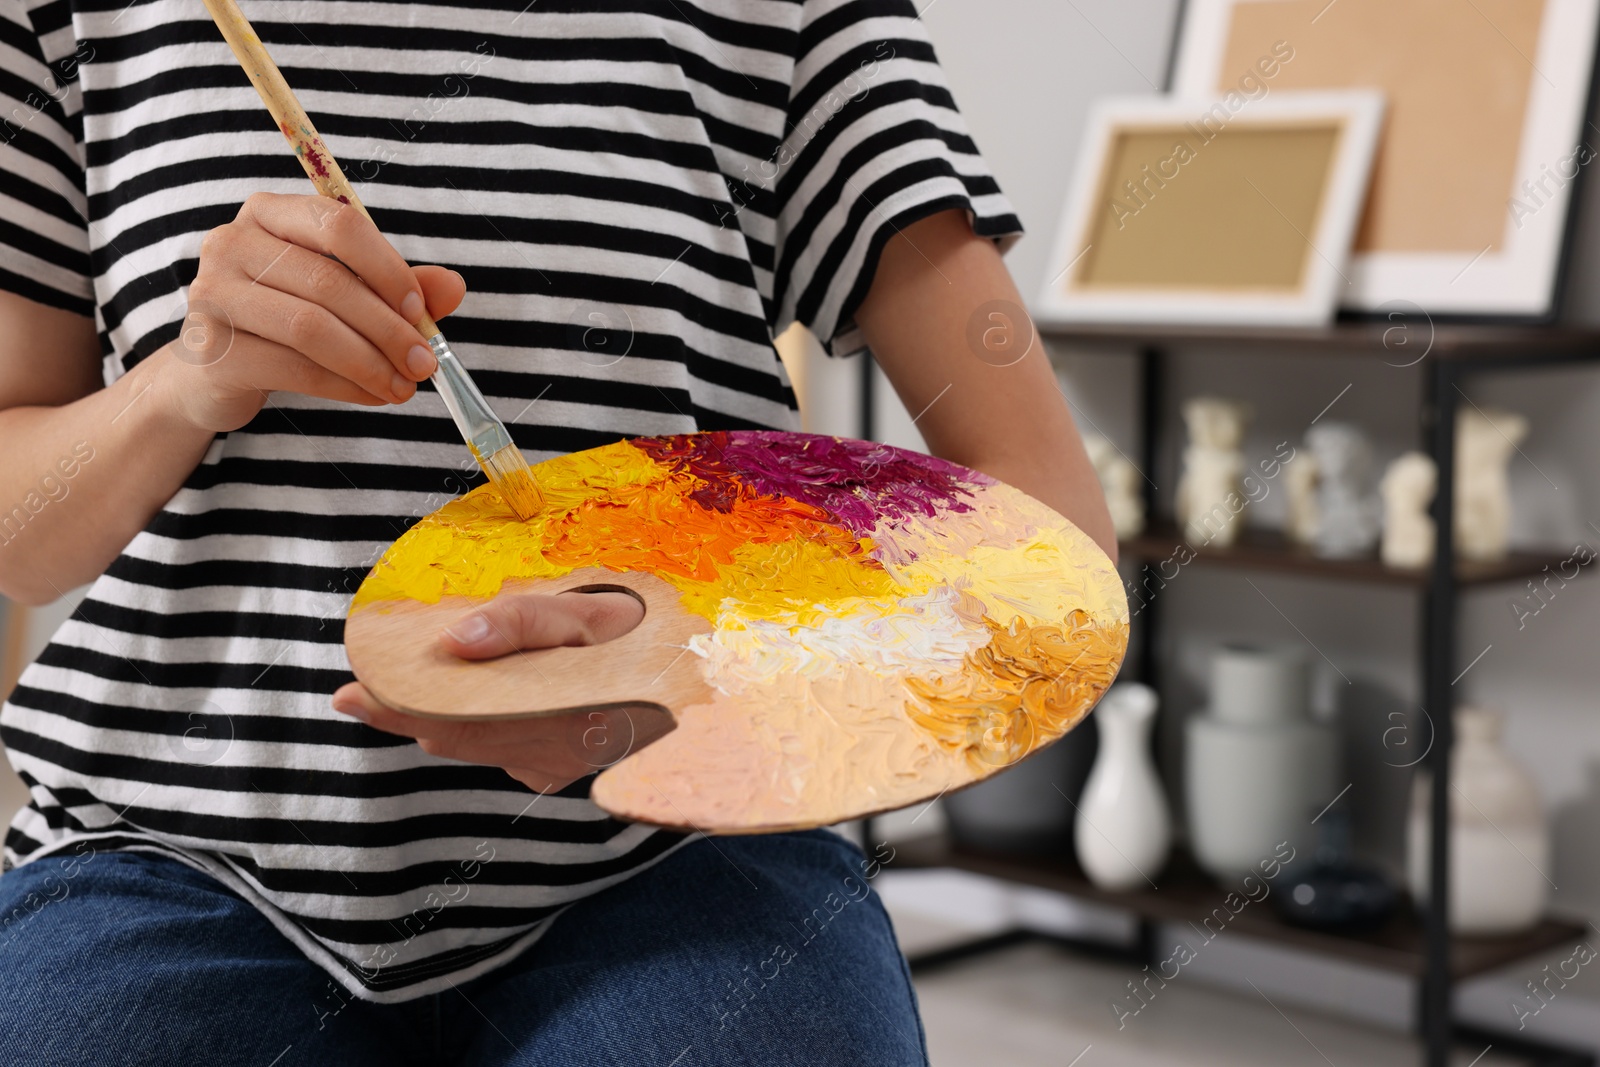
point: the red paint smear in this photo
(343, 199)
(317, 165)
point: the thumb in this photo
(522, 621)
(442, 288)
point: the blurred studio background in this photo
(1304, 268)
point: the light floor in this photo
(1036, 1005)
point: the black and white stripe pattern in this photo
(640, 193)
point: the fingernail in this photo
(352, 709)
(459, 278)
(401, 388)
(420, 362)
(470, 630)
(412, 307)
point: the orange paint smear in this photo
(1025, 688)
(617, 508)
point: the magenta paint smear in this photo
(857, 483)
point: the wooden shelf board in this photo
(1186, 895)
(1402, 341)
(1271, 550)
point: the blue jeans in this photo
(743, 950)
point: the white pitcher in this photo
(1123, 830)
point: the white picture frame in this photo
(1068, 296)
(1518, 279)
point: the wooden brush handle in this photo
(292, 120)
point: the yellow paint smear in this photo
(615, 507)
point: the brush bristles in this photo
(514, 479)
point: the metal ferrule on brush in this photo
(480, 426)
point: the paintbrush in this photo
(485, 434)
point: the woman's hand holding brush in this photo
(269, 311)
(302, 294)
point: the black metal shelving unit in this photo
(1445, 356)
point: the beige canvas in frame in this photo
(1484, 96)
(1189, 212)
(1230, 220)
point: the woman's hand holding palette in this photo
(838, 628)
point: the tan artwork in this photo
(1457, 74)
(1187, 206)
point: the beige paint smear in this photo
(1457, 73)
(811, 752)
(799, 749)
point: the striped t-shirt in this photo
(639, 193)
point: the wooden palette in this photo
(836, 627)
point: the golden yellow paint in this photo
(811, 578)
(1025, 688)
(513, 479)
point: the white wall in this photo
(1023, 73)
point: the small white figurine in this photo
(1211, 497)
(1407, 489)
(1300, 483)
(1485, 440)
(1119, 478)
(1347, 503)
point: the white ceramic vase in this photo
(1123, 830)
(1499, 842)
(1258, 766)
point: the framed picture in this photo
(1213, 211)
(1484, 136)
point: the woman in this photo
(210, 402)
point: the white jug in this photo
(1123, 829)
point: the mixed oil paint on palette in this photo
(837, 627)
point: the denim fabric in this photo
(766, 950)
